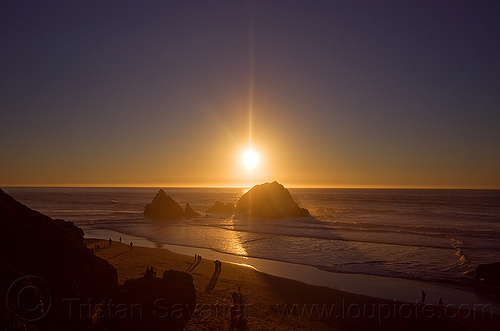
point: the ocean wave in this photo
(127, 212)
(336, 235)
(110, 202)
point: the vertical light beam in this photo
(251, 42)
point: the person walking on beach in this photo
(120, 239)
(131, 244)
(110, 241)
(238, 312)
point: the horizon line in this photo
(407, 187)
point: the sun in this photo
(250, 159)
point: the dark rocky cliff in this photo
(51, 281)
(38, 253)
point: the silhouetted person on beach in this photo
(110, 241)
(120, 239)
(131, 244)
(210, 286)
(238, 312)
(150, 272)
(423, 297)
(234, 318)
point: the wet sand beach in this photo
(276, 303)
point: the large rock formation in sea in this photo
(269, 200)
(163, 207)
(46, 270)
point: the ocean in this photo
(426, 235)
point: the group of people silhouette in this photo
(97, 247)
(194, 264)
(150, 272)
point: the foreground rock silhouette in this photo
(50, 258)
(50, 280)
(163, 207)
(269, 200)
(153, 303)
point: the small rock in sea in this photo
(219, 207)
(189, 212)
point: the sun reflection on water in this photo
(232, 243)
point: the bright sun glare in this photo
(250, 159)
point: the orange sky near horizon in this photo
(291, 157)
(212, 157)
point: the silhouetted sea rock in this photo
(163, 207)
(153, 303)
(189, 212)
(47, 262)
(219, 207)
(269, 200)
(489, 273)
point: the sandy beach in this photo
(275, 303)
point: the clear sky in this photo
(164, 93)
